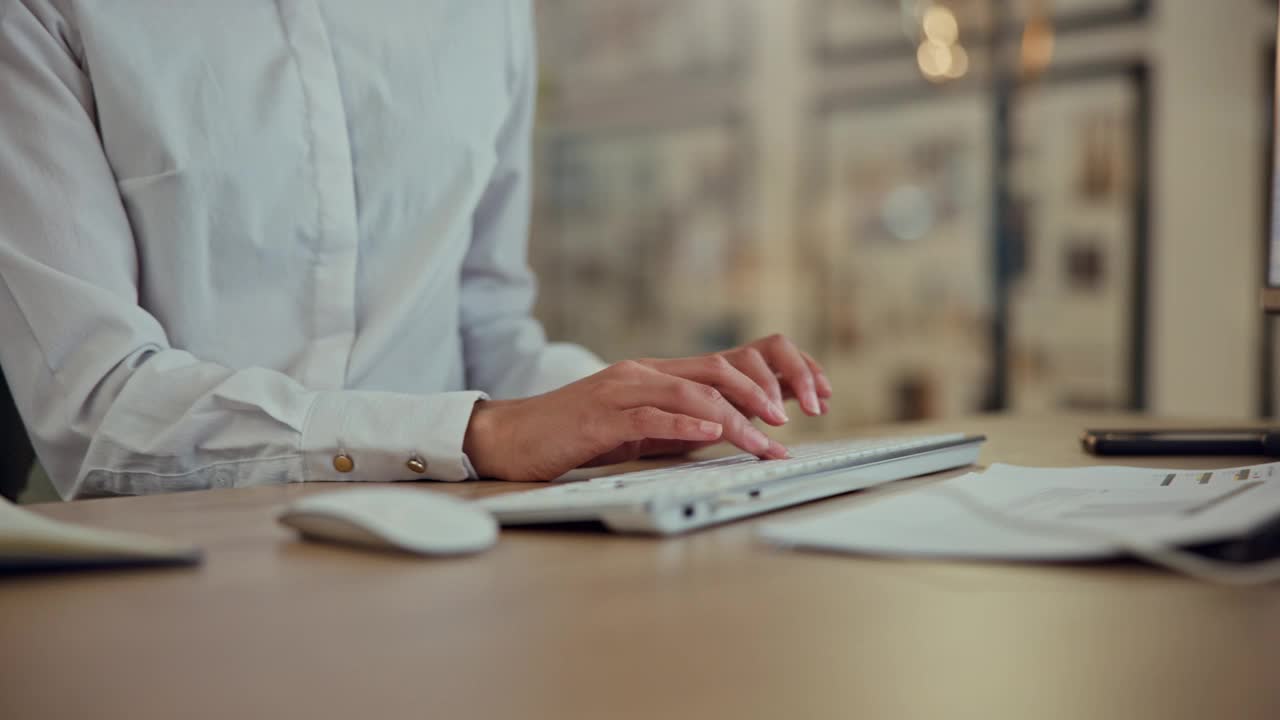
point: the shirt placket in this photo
(333, 233)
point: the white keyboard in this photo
(696, 494)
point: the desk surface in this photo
(581, 624)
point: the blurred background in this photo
(956, 205)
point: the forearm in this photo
(161, 420)
(175, 423)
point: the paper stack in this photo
(1049, 514)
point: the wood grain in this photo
(567, 624)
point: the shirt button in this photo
(416, 465)
(343, 463)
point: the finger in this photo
(751, 363)
(675, 394)
(670, 448)
(642, 449)
(737, 387)
(824, 385)
(651, 423)
(790, 365)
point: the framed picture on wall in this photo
(897, 253)
(1080, 197)
(852, 30)
(641, 240)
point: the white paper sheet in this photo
(1029, 514)
(28, 539)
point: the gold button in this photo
(416, 465)
(343, 463)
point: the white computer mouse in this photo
(416, 521)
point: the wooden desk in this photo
(562, 624)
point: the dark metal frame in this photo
(1003, 93)
(897, 47)
(1139, 75)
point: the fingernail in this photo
(710, 429)
(778, 413)
(825, 408)
(758, 441)
(811, 402)
(825, 384)
(778, 450)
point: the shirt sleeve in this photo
(110, 406)
(506, 350)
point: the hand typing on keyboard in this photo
(640, 408)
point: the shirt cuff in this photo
(380, 436)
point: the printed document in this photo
(1046, 514)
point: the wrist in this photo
(481, 443)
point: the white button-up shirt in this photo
(240, 240)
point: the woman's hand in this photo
(638, 408)
(778, 366)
